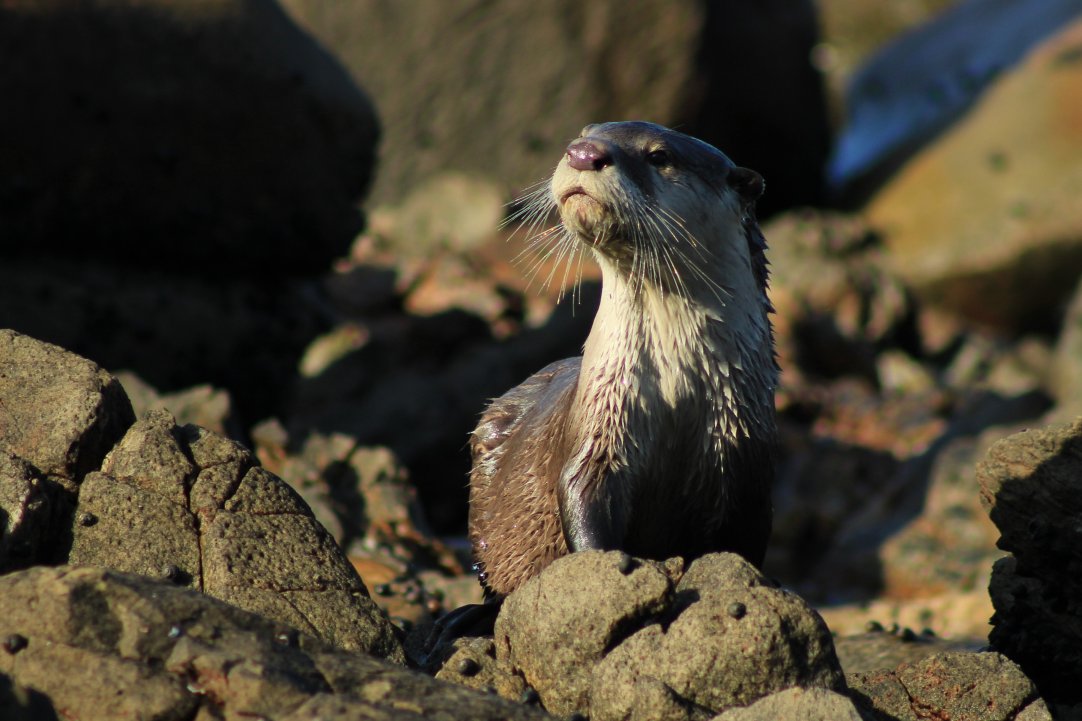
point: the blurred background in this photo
(281, 220)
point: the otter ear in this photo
(746, 182)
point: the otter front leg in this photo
(592, 515)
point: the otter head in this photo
(659, 204)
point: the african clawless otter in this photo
(658, 440)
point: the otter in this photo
(658, 440)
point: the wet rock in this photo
(971, 686)
(101, 644)
(807, 704)
(192, 507)
(1031, 484)
(996, 238)
(248, 156)
(658, 642)
(600, 62)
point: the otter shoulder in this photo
(506, 414)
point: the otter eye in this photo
(659, 158)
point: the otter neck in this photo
(656, 355)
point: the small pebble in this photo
(87, 519)
(626, 564)
(171, 572)
(737, 610)
(14, 643)
(468, 667)
(927, 632)
(530, 696)
(894, 628)
(873, 627)
(908, 635)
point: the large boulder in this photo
(499, 89)
(215, 135)
(1031, 485)
(624, 638)
(986, 220)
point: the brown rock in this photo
(1031, 484)
(231, 138)
(957, 686)
(985, 221)
(101, 644)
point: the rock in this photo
(921, 81)
(172, 328)
(194, 508)
(232, 139)
(885, 649)
(102, 644)
(1065, 375)
(1031, 483)
(626, 638)
(807, 704)
(26, 514)
(954, 615)
(836, 301)
(861, 558)
(202, 405)
(958, 686)
(473, 663)
(59, 412)
(525, 79)
(984, 221)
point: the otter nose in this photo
(588, 155)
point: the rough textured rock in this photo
(806, 704)
(626, 638)
(998, 234)
(957, 686)
(452, 81)
(232, 139)
(184, 504)
(26, 514)
(1031, 484)
(98, 644)
(60, 412)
